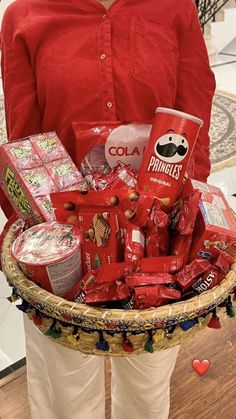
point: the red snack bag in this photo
(143, 279)
(21, 154)
(208, 280)
(164, 264)
(65, 174)
(168, 152)
(45, 205)
(115, 291)
(180, 246)
(134, 244)
(184, 215)
(157, 235)
(101, 236)
(37, 181)
(145, 297)
(113, 272)
(190, 273)
(48, 146)
(102, 144)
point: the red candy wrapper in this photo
(190, 273)
(208, 280)
(143, 279)
(157, 235)
(145, 297)
(180, 246)
(101, 236)
(87, 282)
(134, 244)
(113, 272)
(165, 264)
(120, 177)
(168, 152)
(184, 215)
(223, 262)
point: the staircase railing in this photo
(207, 10)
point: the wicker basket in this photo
(113, 332)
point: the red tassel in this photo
(127, 346)
(214, 323)
(37, 319)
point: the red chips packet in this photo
(106, 293)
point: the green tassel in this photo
(149, 344)
(53, 331)
(230, 308)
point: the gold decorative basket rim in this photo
(110, 319)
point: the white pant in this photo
(66, 384)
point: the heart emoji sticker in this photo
(201, 367)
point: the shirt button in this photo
(109, 105)
(104, 16)
(103, 56)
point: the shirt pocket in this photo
(153, 54)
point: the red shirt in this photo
(73, 60)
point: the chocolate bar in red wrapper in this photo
(87, 282)
(163, 264)
(157, 235)
(215, 230)
(190, 273)
(155, 296)
(208, 280)
(142, 279)
(180, 246)
(113, 272)
(134, 244)
(102, 294)
(184, 214)
(101, 232)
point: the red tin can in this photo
(168, 152)
(50, 255)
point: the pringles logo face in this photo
(170, 150)
(172, 147)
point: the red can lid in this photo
(46, 243)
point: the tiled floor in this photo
(12, 345)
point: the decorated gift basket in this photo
(127, 254)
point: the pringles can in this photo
(167, 154)
(50, 255)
